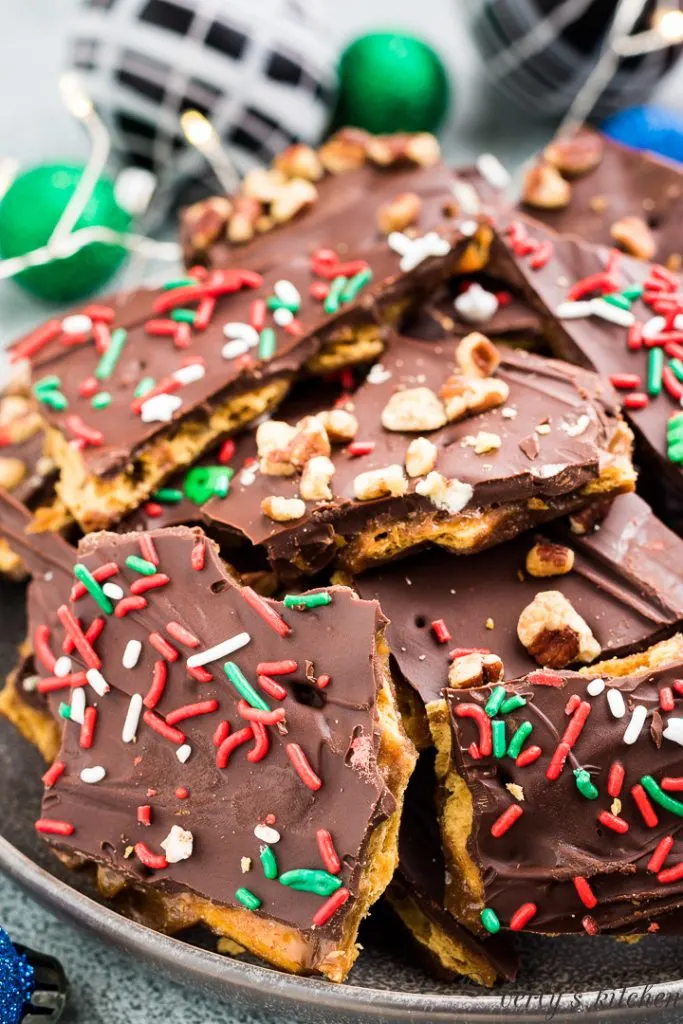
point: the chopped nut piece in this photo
(263, 184)
(414, 409)
(475, 670)
(515, 790)
(300, 161)
(345, 151)
(545, 188)
(12, 472)
(283, 510)
(546, 559)
(380, 483)
(423, 149)
(204, 222)
(294, 196)
(554, 633)
(315, 479)
(588, 519)
(341, 426)
(489, 624)
(477, 356)
(615, 806)
(245, 864)
(575, 155)
(447, 495)
(309, 440)
(400, 213)
(464, 396)
(598, 204)
(486, 442)
(272, 440)
(420, 457)
(634, 236)
(242, 223)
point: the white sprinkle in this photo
(130, 726)
(508, 412)
(674, 730)
(422, 248)
(177, 845)
(237, 331)
(399, 242)
(97, 681)
(595, 687)
(113, 590)
(76, 324)
(131, 655)
(653, 326)
(248, 476)
(222, 650)
(29, 684)
(466, 197)
(77, 710)
(615, 315)
(235, 349)
(189, 374)
(267, 834)
(62, 666)
(286, 292)
(378, 374)
(283, 316)
(93, 775)
(476, 305)
(492, 171)
(468, 228)
(183, 752)
(160, 408)
(573, 310)
(616, 702)
(635, 726)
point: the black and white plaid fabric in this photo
(540, 52)
(263, 71)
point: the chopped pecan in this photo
(477, 356)
(283, 510)
(341, 425)
(465, 396)
(262, 184)
(414, 409)
(272, 442)
(547, 559)
(380, 483)
(554, 633)
(447, 495)
(12, 472)
(422, 149)
(420, 457)
(242, 223)
(204, 223)
(315, 479)
(300, 161)
(545, 188)
(634, 236)
(475, 670)
(345, 151)
(294, 196)
(398, 214)
(309, 440)
(576, 155)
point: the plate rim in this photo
(255, 984)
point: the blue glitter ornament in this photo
(17, 982)
(653, 128)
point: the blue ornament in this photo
(653, 128)
(16, 982)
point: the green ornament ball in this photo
(391, 83)
(30, 210)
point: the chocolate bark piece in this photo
(545, 832)
(592, 341)
(497, 488)
(625, 582)
(624, 183)
(416, 894)
(312, 747)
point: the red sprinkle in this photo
(506, 820)
(129, 604)
(104, 572)
(328, 854)
(53, 774)
(257, 314)
(205, 311)
(231, 743)
(36, 341)
(52, 827)
(585, 893)
(157, 723)
(261, 744)
(181, 634)
(165, 387)
(625, 381)
(159, 676)
(226, 452)
(88, 387)
(83, 646)
(198, 557)
(324, 681)
(276, 668)
(575, 727)
(257, 715)
(636, 400)
(201, 674)
(673, 874)
(145, 583)
(545, 679)
(53, 684)
(557, 761)
(82, 432)
(144, 814)
(440, 630)
(100, 314)
(153, 510)
(147, 549)
(267, 613)
(612, 822)
(634, 338)
(542, 255)
(41, 648)
(590, 925)
(182, 337)
(661, 852)
(222, 732)
(330, 907)
(528, 756)
(202, 707)
(476, 712)
(155, 861)
(615, 779)
(677, 685)
(572, 704)
(666, 698)
(672, 784)
(520, 919)
(182, 793)
(672, 384)
(601, 282)
(318, 291)
(302, 766)
(160, 644)
(357, 448)
(643, 804)
(88, 728)
(271, 687)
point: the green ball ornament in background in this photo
(30, 210)
(391, 83)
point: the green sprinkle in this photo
(49, 383)
(492, 706)
(141, 565)
(333, 298)
(107, 363)
(273, 303)
(677, 368)
(244, 687)
(266, 345)
(490, 921)
(617, 300)
(585, 785)
(268, 862)
(168, 496)
(247, 898)
(499, 738)
(521, 735)
(512, 704)
(101, 400)
(53, 400)
(204, 482)
(322, 883)
(184, 316)
(356, 284)
(655, 365)
(634, 291)
(307, 600)
(145, 385)
(660, 797)
(675, 422)
(64, 710)
(83, 574)
(179, 282)
(675, 452)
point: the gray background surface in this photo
(108, 986)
